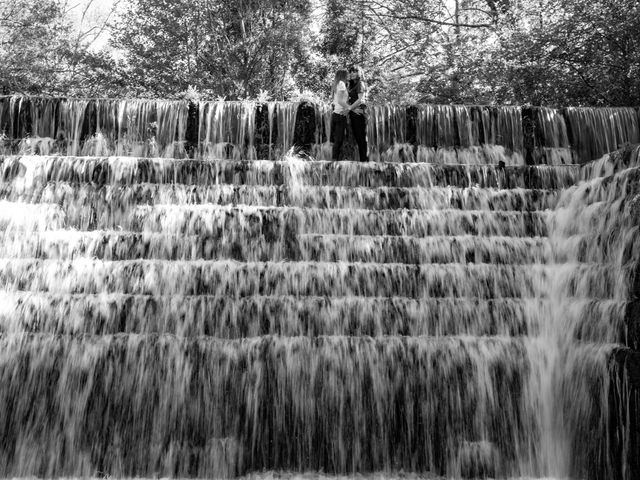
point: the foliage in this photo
(584, 53)
(226, 48)
(551, 52)
(546, 52)
(42, 53)
(32, 42)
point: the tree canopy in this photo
(541, 52)
(228, 49)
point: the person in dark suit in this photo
(358, 114)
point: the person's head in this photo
(341, 76)
(356, 73)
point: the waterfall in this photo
(554, 147)
(226, 130)
(322, 133)
(592, 227)
(463, 134)
(233, 309)
(386, 130)
(597, 131)
(249, 130)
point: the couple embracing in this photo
(349, 101)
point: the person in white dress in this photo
(341, 110)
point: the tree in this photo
(226, 48)
(578, 53)
(41, 52)
(551, 52)
(32, 43)
(430, 50)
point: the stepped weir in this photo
(183, 296)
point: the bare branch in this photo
(389, 12)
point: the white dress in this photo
(341, 96)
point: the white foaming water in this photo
(600, 231)
(457, 319)
(238, 130)
(318, 476)
(478, 155)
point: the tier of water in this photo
(458, 134)
(220, 315)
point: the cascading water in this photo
(555, 148)
(596, 131)
(221, 315)
(226, 130)
(449, 134)
(462, 134)
(595, 241)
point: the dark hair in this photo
(358, 84)
(341, 76)
(357, 69)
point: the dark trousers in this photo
(359, 128)
(338, 130)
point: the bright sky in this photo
(90, 16)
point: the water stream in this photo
(239, 315)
